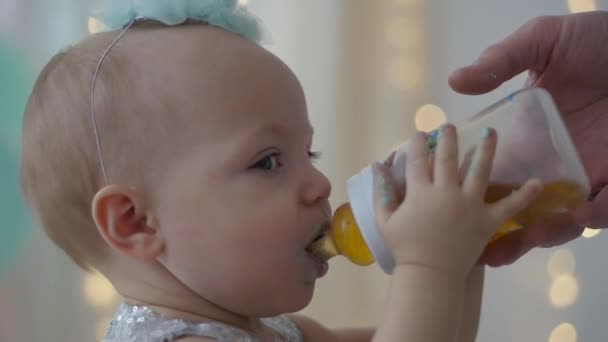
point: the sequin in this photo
(152, 327)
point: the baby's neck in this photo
(192, 308)
(157, 289)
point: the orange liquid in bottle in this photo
(556, 197)
(345, 238)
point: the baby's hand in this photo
(443, 223)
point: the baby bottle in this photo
(532, 143)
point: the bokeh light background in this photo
(373, 71)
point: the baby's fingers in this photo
(417, 166)
(385, 193)
(511, 205)
(478, 175)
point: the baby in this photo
(174, 156)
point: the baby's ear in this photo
(125, 222)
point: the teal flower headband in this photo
(226, 14)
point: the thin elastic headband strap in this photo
(93, 83)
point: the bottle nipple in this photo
(343, 238)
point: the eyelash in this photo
(313, 156)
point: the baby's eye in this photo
(268, 163)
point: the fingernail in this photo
(387, 200)
(386, 195)
(389, 161)
(485, 133)
(444, 128)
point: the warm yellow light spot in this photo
(590, 232)
(101, 327)
(563, 291)
(402, 33)
(95, 25)
(404, 74)
(561, 262)
(429, 117)
(565, 332)
(405, 2)
(243, 3)
(98, 291)
(577, 6)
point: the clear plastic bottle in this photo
(532, 143)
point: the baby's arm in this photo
(313, 331)
(427, 306)
(472, 305)
(404, 311)
(422, 305)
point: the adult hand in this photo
(568, 56)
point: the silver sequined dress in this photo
(140, 324)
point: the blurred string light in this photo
(99, 292)
(404, 74)
(564, 288)
(404, 36)
(405, 2)
(102, 327)
(429, 117)
(406, 71)
(590, 233)
(564, 332)
(561, 262)
(577, 6)
(563, 291)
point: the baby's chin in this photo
(298, 304)
(295, 301)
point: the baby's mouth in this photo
(322, 246)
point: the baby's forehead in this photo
(209, 81)
(197, 52)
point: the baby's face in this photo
(238, 208)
